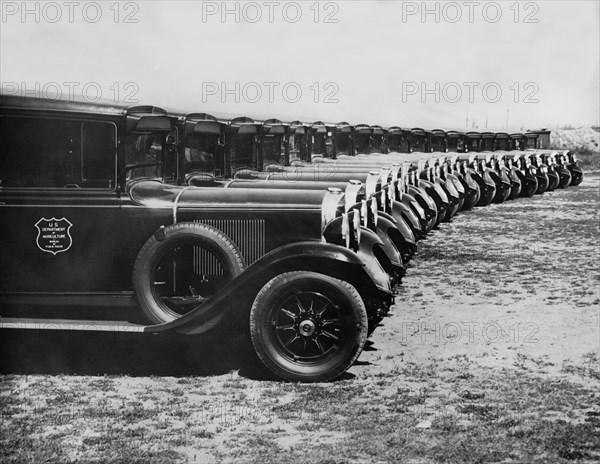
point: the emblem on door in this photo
(53, 235)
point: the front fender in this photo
(229, 300)
(400, 210)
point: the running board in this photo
(66, 324)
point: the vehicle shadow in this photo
(135, 354)
(64, 352)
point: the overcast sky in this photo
(535, 64)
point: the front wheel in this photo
(308, 327)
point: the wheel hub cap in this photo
(307, 328)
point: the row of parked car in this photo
(304, 231)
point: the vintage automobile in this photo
(362, 139)
(433, 190)
(451, 178)
(511, 172)
(498, 173)
(204, 159)
(432, 172)
(378, 140)
(541, 171)
(438, 141)
(559, 161)
(520, 164)
(531, 140)
(455, 141)
(488, 141)
(568, 159)
(242, 144)
(322, 141)
(359, 164)
(398, 240)
(418, 140)
(273, 143)
(96, 211)
(298, 145)
(397, 140)
(548, 159)
(466, 176)
(517, 141)
(402, 214)
(342, 137)
(574, 166)
(543, 140)
(473, 141)
(502, 142)
(481, 174)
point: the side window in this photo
(56, 153)
(98, 146)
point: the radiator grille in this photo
(247, 234)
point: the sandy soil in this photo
(501, 299)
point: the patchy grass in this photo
(488, 357)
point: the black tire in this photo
(288, 331)
(194, 260)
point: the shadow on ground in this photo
(134, 354)
(56, 352)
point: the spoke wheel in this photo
(307, 326)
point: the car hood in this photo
(155, 194)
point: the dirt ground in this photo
(490, 355)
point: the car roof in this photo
(73, 106)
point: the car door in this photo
(59, 205)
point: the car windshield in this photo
(473, 145)
(200, 151)
(319, 145)
(361, 143)
(242, 150)
(487, 145)
(531, 143)
(298, 147)
(437, 144)
(145, 153)
(396, 143)
(419, 143)
(376, 143)
(342, 144)
(273, 149)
